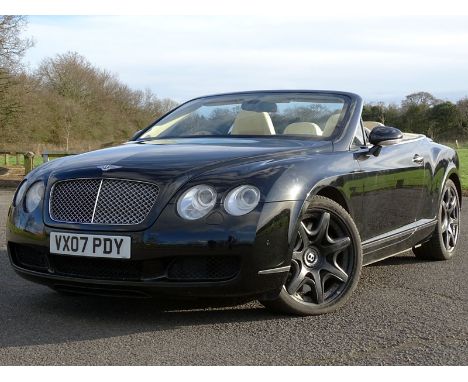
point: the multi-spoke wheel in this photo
(443, 243)
(326, 261)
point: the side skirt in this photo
(397, 241)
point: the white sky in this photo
(186, 56)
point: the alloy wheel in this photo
(322, 260)
(450, 218)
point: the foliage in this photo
(66, 100)
(423, 113)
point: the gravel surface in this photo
(405, 311)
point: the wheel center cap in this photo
(310, 257)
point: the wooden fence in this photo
(28, 157)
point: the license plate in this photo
(90, 245)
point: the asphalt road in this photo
(405, 311)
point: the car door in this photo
(393, 188)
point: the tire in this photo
(326, 261)
(443, 243)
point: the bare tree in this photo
(12, 44)
(420, 99)
(12, 49)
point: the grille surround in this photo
(103, 201)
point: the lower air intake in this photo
(204, 268)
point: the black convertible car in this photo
(280, 196)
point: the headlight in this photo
(20, 193)
(34, 196)
(196, 202)
(242, 200)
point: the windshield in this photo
(309, 115)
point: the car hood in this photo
(171, 159)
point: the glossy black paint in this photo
(393, 198)
(382, 134)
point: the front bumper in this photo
(220, 256)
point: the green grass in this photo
(12, 160)
(463, 156)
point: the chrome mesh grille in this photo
(131, 206)
(102, 201)
(73, 201)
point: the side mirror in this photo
(385, 135)
(134, 136)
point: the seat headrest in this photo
(252, 123)
(303, 128)
(330, 125)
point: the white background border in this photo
(295, 8)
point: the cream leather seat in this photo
(330, 125)
(252, 123)
(303, 128)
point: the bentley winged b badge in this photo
(108, 167)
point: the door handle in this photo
(418, 159)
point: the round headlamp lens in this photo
(242, 200)
(34, 196)
(196, 202)
(205, 197)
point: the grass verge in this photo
(463, 156)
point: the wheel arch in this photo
(454, 177)
(452, 174)
(334, 194)
(445, 161)
(327, 191)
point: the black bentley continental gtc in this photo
(280, 196)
